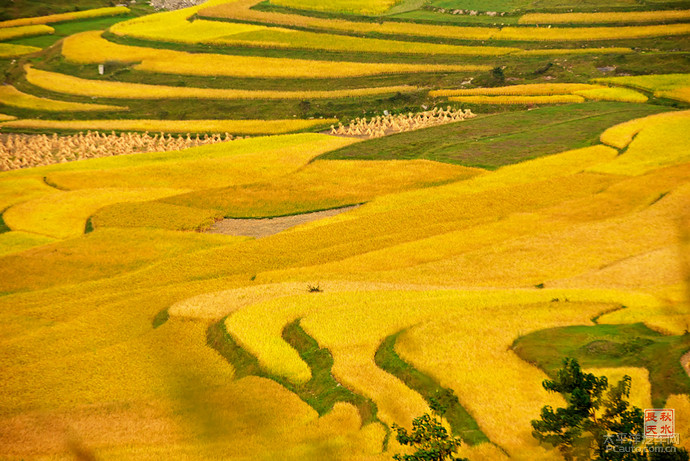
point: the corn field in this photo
(24, 151)
(380, 126)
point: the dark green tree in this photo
(429, 437)
(594, 425)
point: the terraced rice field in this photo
(290, 232)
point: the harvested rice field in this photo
(294, 230)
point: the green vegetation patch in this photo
(502, 139)
(321, 392)
(608, 346)
(3, 226)
(461, 422)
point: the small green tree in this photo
(594, 425)
(429, 437)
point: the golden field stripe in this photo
(91, 48)
(532, 89)
(603, 50)
(593, 92)
(68, 84)
(249, 127)
(8, 50)
(10, 96)
(546, 99)
(240, 10)
(625, 17)
(11, 33)
(62, 17)
(174, 27)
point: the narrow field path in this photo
(263, 227)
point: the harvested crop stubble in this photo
(8, 50)
(68, 84)
(10, 96)
(242, 127)
(550, 99)
(22, 151)
(380, 126)
(240, 10)
(63, 17)
(90, 47)
(626, 17)
(10, 33)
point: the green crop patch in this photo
(632, 345)
(492, 141)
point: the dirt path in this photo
(685, 361)
(264, 227)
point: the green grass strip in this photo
(461, 422)
(323, 390)
(3, 226)
(320, 393)
(607, 346)
(501, 139)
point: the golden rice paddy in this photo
(10, 96)
(62, 17)
(67, 84)
(242, 127)
(8, 50)
(540, 93)
(626, 17)
(111, 291)
(10, 33)
(240, 10)
(90, 47)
